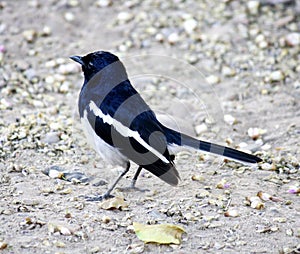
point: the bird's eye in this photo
(91, 65)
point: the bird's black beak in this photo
(77, 59)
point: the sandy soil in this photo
(39, 125)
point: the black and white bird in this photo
(123, 128)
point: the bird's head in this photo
(94, 62)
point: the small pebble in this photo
(263, 44)
(266, 147)
(255, 133)
(222, 184)
(201, 128)
(123, 48)
(69, 16)
(228, 72)
(73, 3)
(256, 203)
(3, 245)
(230, 119)
(191, 58)
(105, 219)
(280, 219)
(2, 48)
(199, 178)
(159, 37)
(260, 40)
(212, 79)
(173, 38)
(30, 35)
(50, 138)
(34, 4)
(69, 68)
(136, 248)
(292, 39)
(203, 194)
(51, 64)
(276, 76)
(124, 17)
(95, 249)
(30, 74)
(253, 7)
(289, 232)
(59, 244)
(103, 3)
(65, 87)
(268, 166)
(46, 31)
(55, 126)
(190, 25)
(21, 65)
(294, 190)
(5, 104)
(231, 213)
(49, 79)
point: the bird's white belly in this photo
(107, 152)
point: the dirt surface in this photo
(250, 54)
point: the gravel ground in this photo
(248, 51)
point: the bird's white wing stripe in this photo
(124, 131)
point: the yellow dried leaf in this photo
(113, 203)
(161, 233)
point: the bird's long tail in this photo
(180, 139)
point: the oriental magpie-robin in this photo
(123, 128)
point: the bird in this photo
(122, 128)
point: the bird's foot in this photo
(98, 197)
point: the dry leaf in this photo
(113, 203)
(161, 233)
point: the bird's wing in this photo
(135, 131)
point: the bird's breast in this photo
(108, 153)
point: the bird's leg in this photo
(133, 182)
(107, 194)
(137, 173)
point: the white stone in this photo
(190, 25)
(292, 39)
(253, 7)
(124, 17)
(69, 16)
(201, 128)
(276, 76)
(173, 38)
(227, 71)
(229, 119)
(212, 79)
(103, 3)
